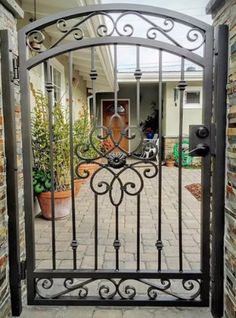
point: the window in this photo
(57, 81)
(193, 98)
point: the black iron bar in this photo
(159, 243)
(96, 232)
(74, 243)
(8, 103)
(138, 232)
(206, 167)
(93, 76)
(115, 79)
(181, 87)
(218, 176)
(117, 242)
(127, 273)
(49, 88)
(139, 301)
(138, 75)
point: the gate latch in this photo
(197, 145)
(200, 151)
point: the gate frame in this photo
(8, 81)
(206, 62)
(218, 169)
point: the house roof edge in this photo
(14, 8)
(214, 6)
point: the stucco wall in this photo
(79, 87)
(192, 116)
(149, 95)
(61, 63)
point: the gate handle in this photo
(200, 151)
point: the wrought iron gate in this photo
(116, 286)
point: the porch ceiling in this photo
(82, 62)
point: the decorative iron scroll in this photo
(115, 162)
(185, 289)
(115, 27)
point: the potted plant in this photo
(150, 124)
(170, 161)
(61, 158)
(82, 141)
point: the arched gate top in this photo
(113, 27)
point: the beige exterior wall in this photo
(61, 64)
(79, 85)
(192, 115)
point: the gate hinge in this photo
(213, 139)
(15, 69)
(23, 270)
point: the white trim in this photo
(60, 68)
(119, 99)
(166, 76)
(103, 52)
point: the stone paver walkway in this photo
(127, 227)
(124, 312)
(127, 230)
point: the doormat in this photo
(195, 189)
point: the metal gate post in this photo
(218, 197)
(11, 171)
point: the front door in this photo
(117, 123)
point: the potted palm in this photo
(61, 158)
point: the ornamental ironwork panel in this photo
(116, 286)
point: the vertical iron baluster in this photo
(138, 75)
(115, 79)
(181, 86)
(49, 88)
(138, 232)
(96, 232)
(117, 242)
(93, 76)
(74, 243)
(159, 244)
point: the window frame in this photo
(55, 64)
(192, 89)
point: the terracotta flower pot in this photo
(77, 183)
(170, 163)
(62, 201)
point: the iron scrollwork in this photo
(115, 163)
(113, 26)
(188, 289)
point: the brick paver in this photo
(127, 233)
(128, 227)
(96, 312)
